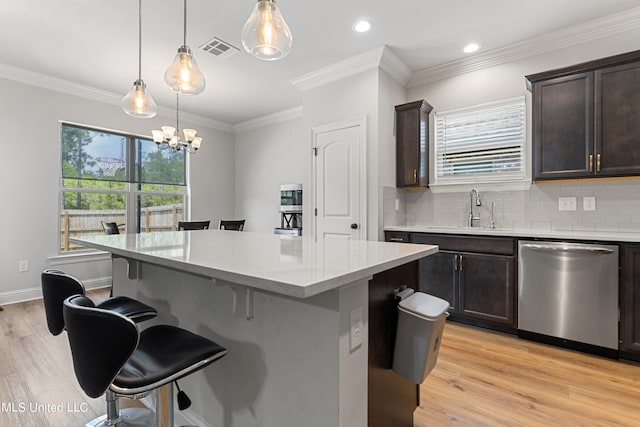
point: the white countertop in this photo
(608, 236)
(289, 265)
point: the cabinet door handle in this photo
(590, 163)
(460, 265)
(598, 162)
(415, 176)
(455, 262)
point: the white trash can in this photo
(421, 319)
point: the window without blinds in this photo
(117, 177)
(481, 143)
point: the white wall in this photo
(617, 201)
(265, 158)
(275, 154)
(353, 97)
(31, 169)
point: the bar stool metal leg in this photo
(164, 405)
(127, 417)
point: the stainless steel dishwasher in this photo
(568, 291)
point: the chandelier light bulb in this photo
(138, 102)
(189, 134)
(168, 131)
(158, 136)
(266, 35)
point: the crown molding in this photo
(59, 85)
(31, 78)
(339, 70)
(382, 57)
(578, 34)
(394, 66)
(269, 119)
(197, 119)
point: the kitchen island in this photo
(293, 314)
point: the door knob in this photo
(354, 226)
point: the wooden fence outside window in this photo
(75, 223)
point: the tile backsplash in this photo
(617, 205)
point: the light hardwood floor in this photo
(482, 378)
(37, 385)
(485, 378)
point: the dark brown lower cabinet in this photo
(391, 398)
(480, 287)
(630, 303)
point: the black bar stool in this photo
(58, 286)
(110, 355)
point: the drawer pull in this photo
(396, 239)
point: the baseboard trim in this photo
(30, 294)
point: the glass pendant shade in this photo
(183, 75)
(266, 35)
(138, 102)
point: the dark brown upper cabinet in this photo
(586, 119)
(412, 144)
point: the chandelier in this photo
(169, 136)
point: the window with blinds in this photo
(480, 143)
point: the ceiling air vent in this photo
(219, 48)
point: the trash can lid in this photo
(425, 305)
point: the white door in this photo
(339, 181)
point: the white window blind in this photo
(481, 143)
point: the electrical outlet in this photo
(23, 266)
(397, 204)
(589, 203)
(355, 336)
(566, 203)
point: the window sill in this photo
(85, 256)
(481, 186)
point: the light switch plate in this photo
(355, 336)
(566, 203)
(589, 203)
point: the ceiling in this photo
(95, 44)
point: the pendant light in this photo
(265, 35)
(183, 75)
(138, 102)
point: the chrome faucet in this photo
(478, 203)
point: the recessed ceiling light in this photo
(362, 26)
(470, 48)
